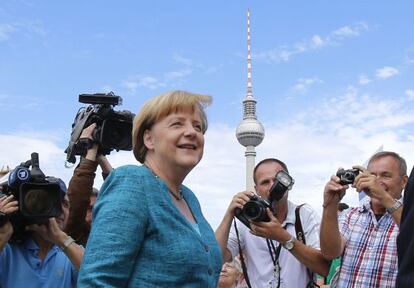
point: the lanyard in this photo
(274, 254)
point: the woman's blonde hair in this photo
(157, 108)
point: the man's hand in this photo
(88, 132)
(272, 229)
(369, 183)
(8, 205)
(50, 231)
(333, 192)
(238, 201)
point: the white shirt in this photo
(257, 256)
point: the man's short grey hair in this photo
(402, 165)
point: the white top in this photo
(256, 253)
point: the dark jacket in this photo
(79, 192)
(405, 240)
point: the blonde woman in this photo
(148, 228)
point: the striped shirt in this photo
(370, 255)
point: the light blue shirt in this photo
(139, 238)
(20, 267)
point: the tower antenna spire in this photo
(249, 59)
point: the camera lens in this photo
(36, 202)
(40, 200)
(253, 210)
(349, 177)
(117, 134)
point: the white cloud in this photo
(410, 93)
(334, 38)
(180, 59)
(28, 29)
(177, 75)
(6, 30)
(351, 31)
(170, 78)
(302, 84)
(363, 79)
(386, 72)
(133, 82)
(317, 41)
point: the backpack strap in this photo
(300, 235)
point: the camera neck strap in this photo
(243, 264)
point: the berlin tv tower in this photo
(250, 132)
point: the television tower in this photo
(250, 132)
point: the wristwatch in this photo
(67, 243)
(397, 204)
(288, 245)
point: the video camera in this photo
(113, 128)
(255, 209)
(40, 197)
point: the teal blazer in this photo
(139, 238)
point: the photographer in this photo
(82, 195)
(48, 257)
(366, 236)
(268, 265)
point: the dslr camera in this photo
(255, 208)
(113, 128)
(347, 177)
(39, 197)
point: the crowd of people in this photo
(144, 228)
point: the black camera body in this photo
(113, 128)
(347, 177)
(39, 197)
(253, 210)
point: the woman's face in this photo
(228, 275)
(177, 140)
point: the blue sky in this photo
(333, 81)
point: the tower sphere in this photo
(250, 132)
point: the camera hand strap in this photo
(246, 277)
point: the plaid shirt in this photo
(370, 254)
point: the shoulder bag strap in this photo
(300, 235)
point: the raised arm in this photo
(79, 191)
(105, 165)
(332, 243)
(223, 230)
(7, 206)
